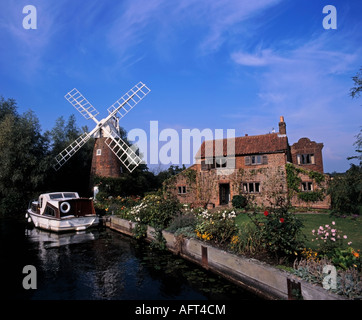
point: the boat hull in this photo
(64, 224)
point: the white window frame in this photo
(251, 187)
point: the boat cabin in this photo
(62, 204)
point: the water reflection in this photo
(103, 264)
(47, 239)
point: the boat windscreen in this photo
(56, 196)
(63, 195)
(70, 195)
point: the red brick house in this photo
(256, 167)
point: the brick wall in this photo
(214, 185)
(105, 164)
(270, 178)
(307, 147)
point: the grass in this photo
(350, 226)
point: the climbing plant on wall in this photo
(294, 181)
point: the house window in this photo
(251, 187)
(99, 152)
(220, 163)
(256, 159)
(182, 189)
(207, 164)
(305, 158)
(307, 186)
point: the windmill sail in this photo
(69, 151)
(78, 101)
(123, 152)
(128, 101)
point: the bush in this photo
(239, 202)
(247, 241)
(155, 210)
(182, 221)
(218, 226)
(280, 231)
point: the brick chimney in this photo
(282, 126)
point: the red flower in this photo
(266, 213)
(281, 220)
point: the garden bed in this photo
(257, 276)
(274, 237)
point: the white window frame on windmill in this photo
(99, 152)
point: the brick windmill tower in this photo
(110, 151)
(105, 162)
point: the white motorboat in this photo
(62, 211)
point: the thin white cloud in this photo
(163, 20)
(262, 58)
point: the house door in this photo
(224, 189)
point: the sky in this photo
(231, 64)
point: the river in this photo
(101, 264)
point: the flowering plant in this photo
(218, 226)
(154, 210)
(279, 230)
(331, 243)
(329, 238)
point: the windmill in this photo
(107, 129)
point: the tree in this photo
(357, 89)
(74, 174)
(346, 191)
(358, 145)
(24, 157)
(355, 92)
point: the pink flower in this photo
(344, 237)
(333, 230)
(313, 231)
(333, 223)
(333, 239)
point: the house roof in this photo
(260, 144)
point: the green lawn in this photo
(352, 227)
